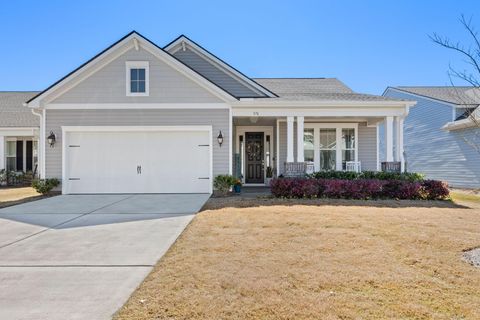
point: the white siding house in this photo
(432, 143)
(139, 118)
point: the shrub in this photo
(44, 186)
(435, 190)
(378, 175)
(358, 189)
(224, 182)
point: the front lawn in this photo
(17, 195)
(317, 262)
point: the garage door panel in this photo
(139, 162)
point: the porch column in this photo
(300, 126)
(2, 154)
(290, 139)
(399, 143)
(389, 138)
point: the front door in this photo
(254, 157)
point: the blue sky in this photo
(367, 44)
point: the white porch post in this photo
(400, 157)
(300, 126)
(2, 152)
(389, 138)
(290, 139)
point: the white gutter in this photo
(41, 144)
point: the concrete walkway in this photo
(81, 256)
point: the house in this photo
(138, 118)
(440, 138)
(19, 129)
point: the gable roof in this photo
(215, 69)
(12, 111)
(465, 95)
(135, 37)
(315, 89)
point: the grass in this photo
(12, 196)
(316, 262)
(459, 196)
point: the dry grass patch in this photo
(12, 194)
(316, 262)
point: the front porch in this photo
(269, 147)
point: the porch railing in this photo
(297, 169)
(392, 166)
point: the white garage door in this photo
(138, 162)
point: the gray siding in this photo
(214, 74)
(367, 147)
(217, 118)
(439, 154)
(108, 85)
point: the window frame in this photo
(137, 65)
(338, 137)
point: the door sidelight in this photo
(139, 169)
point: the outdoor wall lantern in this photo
(51, 139)
(220, 138)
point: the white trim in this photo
(133, 128)
(43, 173)
(300, 133)
(269, 103)
(290, 140)
(389, 139)
(277, 149)
(459, 124)
(267, 130)
(90, 106)
(137, 65)
(27, 131)
(230, 141)
(318, 111)
(174, 47)
(378, 147)
(67, 129)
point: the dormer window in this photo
(137, 78)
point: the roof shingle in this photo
(12, 111)
(456, 95)
(314, 89)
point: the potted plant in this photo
(237, 187)
(223, 183)
(269, 175)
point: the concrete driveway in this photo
(81, 256)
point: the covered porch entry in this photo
(269, 147)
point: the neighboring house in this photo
(438, 133)
(19, 129)
(138, 118)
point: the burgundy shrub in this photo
(435, 190)
(401, 189)
(281, 187)
(304, 188)
(358, 189)
(334, 188)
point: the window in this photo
(11, 155)
(137, 78)
(348, 146)
(308, 145)
(330, 145)
(328, 149)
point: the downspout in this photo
(40, 144)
